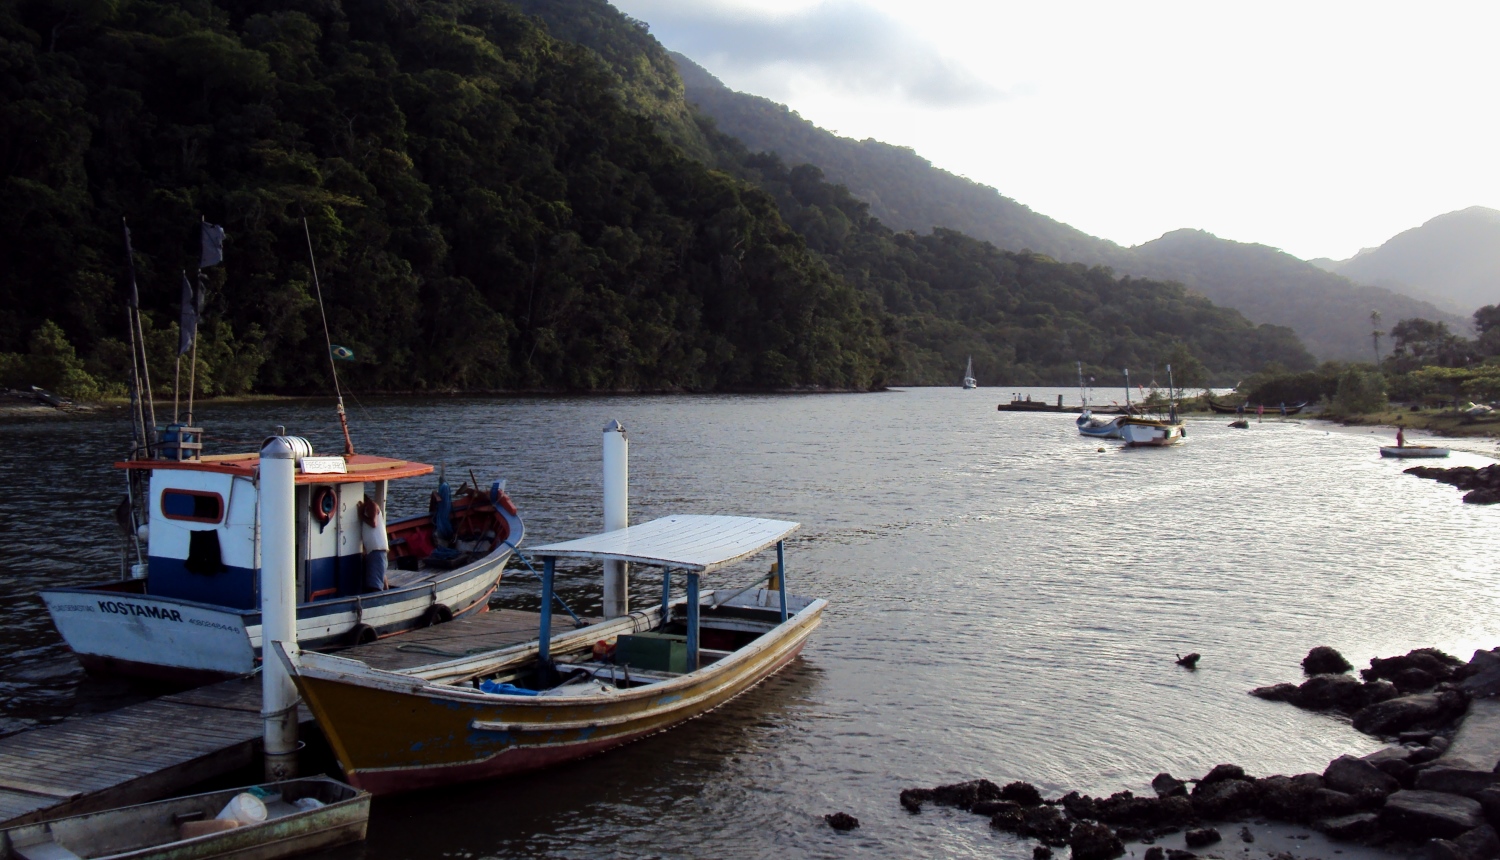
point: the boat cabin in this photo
(203, 524)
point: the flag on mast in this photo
(213, 245)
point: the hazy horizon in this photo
(1320, 130)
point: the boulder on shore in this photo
(1457, 780)
(1420, 814)
(1091, 841)
(1409, 712)
(1352, 775)
(1324, 660)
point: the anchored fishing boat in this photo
(189, 609)
(579, 693)
(1140, 432)
(191, 612)
(1088, 424)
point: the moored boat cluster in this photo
(1406, 793)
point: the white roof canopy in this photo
(686, 542)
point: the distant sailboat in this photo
(969, 381)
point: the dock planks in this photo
(151, 750)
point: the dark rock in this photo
(1418, 814)
(1440, 743)
(1324, 660)
(991, 807)
(1229, 798)
(1423, 755)
(965, 794)
(1352, 775)
(1404, 771)
(1309, 781)
(1380, 691)
(1387, 754)
(1045, 824)
(1190, 661)
(1176, 811)
(1201, 837)
(1132, 834)
(841, 821)
(1484, 678)
(1179, 854)
(1091, 841)
(1481, 843)
(1441, 666)
(1414, 680)
(1489, 801)
(1327, 803)
(1441, 849)
(1023, 793)
(1155, 852)
(1456, 780)
(1331, 693)
(913, 798)
(1279, 693)
(1360, 825)
(1080, 806)
(1123, 809)
(1284, 799)
(1409, 712)
(1166, 785)
(1419, 738)
(1041, 852)
(1220, 773)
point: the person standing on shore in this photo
(372, 534)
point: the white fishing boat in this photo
(191, 612)
(581, 692)
(1142, 432)
(1091, 425)
(969, 381)
(1412, 451)
(188, 609)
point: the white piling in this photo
(616, 516)
(278, 603)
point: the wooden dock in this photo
(154, 749)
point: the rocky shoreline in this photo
(1481, 486)
(1410, 795)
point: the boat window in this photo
(192, 505)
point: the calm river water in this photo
(1006, 602)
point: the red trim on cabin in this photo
(362, 468)
(205, 494)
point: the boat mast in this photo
(1083, 395)
(1127, 391)
(328, 342)
(1171, 392)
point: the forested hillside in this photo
(492, 206)
(905, 191)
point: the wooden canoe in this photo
(1225, 409)
(1412, 451)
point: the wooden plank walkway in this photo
(151, 750)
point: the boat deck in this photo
(151, 750)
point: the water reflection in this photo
(1006, 601)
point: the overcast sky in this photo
(1317, 127)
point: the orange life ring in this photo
(323, 505)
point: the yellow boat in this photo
(578, 693)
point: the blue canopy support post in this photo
(544, 640)
(692, 621)
(666, 595)
(781, 574)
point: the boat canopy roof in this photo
(357, 468)
(686, 542)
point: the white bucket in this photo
(245, 808)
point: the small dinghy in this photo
(1408, 451)
(279, 819)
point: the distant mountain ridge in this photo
(906, 192)
(1454, 258)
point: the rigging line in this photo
(328, 340)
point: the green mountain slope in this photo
(905, 191)
(492, 206)
(1455, 258)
